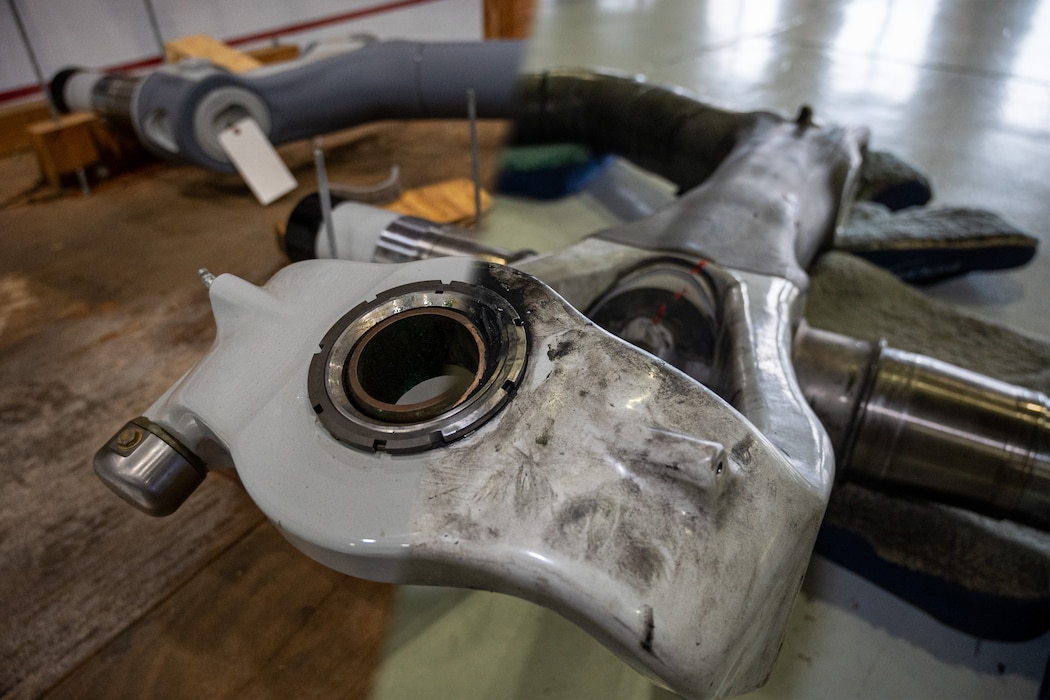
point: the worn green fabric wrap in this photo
(926, 244)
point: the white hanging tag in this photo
(257, 160)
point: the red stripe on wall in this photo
(29, 90)
(334, 19)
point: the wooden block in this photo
(204, 46)
(508, 19)
(446, 202)
(14, 125)
(65, 145)
(274, 54)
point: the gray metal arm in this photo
(179, 110)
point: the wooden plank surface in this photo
(278, 53)
(204, 46)
(449, 202)
(76, 564)
(262, 621)
(101, 310)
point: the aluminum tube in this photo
(915, 425)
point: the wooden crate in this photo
(65, 145)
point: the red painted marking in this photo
(659, 314)
(332, 19)
(151, 61)
(677, 295)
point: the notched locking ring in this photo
(420, 366)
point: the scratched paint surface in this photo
(617, 483)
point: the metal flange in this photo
(420, 366)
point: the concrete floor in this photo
(961, 89)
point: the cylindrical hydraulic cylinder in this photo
(913, 424)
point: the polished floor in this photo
(961, 88)
(101, 310)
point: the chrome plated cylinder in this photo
(909, 423)
(112, 96)
(108, 94)
(411, 238)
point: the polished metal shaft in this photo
(113, 95)
(912, 424)
(410, 238)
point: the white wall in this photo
(105, 33)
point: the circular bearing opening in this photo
(422, 365)
(415, 365)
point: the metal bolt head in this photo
(128, 438)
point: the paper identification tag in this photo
(257, 160)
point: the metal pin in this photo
(81, 175)
(85, 188)
(155, 26)
(325, 195)
(32, 57)
(472, 116)
(206, 277)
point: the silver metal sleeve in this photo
(410, 238)
(105, 93)
(910, 423)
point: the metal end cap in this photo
(149, 468)
(57, 88)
